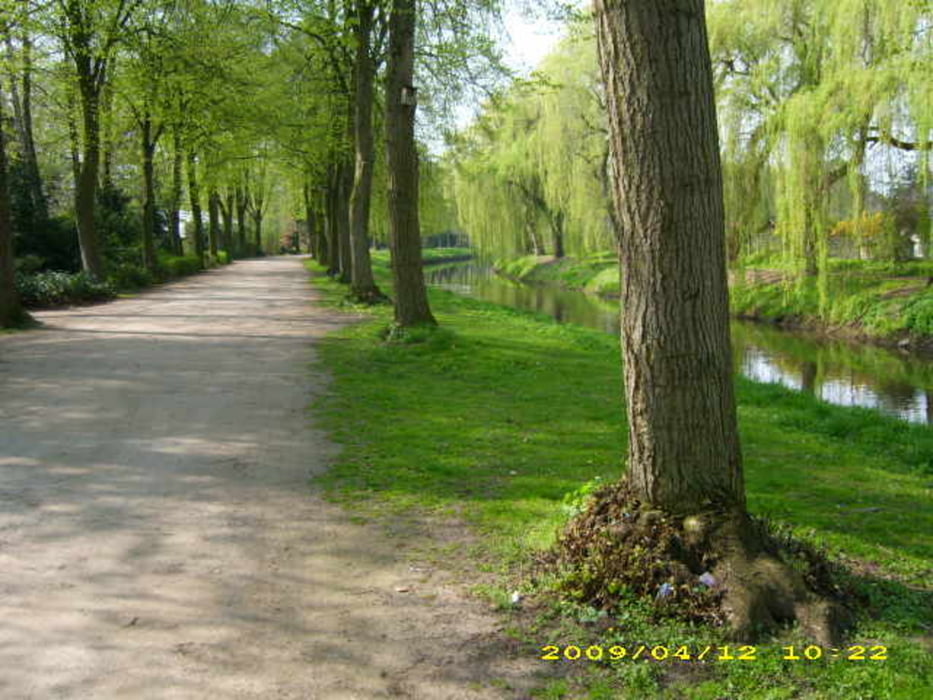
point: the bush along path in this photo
(510, 422)
(51, 288)
(161, 539)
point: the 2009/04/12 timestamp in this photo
(683, 652)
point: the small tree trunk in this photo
(557, 226)
(226, 211)
(213, 217)
(363, 286)
(86, 191)
(175, 213)
(149, 204)
(21, 98)
(411, 298)
(333, 236)
(194, 194)
(344, 188)
(242, 203)
(257, 229)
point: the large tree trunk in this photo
(194, 195)
(10, 312)
(411, 298)
(174, 225)
(149, 203)
(363, 286)
(684, 462)
(86, 191)
(683, 438)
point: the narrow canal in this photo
(844, 373)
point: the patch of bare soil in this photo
(159, 536)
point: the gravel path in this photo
(159, 536)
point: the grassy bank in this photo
(494, 419)
(883, 301)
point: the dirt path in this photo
(158, 534)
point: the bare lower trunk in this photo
(213, 217)
(557, 227)
(257, 229)
(344, 187)
(226, 211)
(331, 209)
(683, 437)
(174, 215)
(241, 206)
(10, 312)
(194, 195)
(86, 192)
(363, 286)
(149, 204)
(411, 298)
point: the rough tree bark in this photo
(684, 444)
(684, 458)
(411, 297)
(363, 287)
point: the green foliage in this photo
(536, 159)
(46, 289)
(173, 266)
(127, 276)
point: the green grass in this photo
(498, 415)
(878, 299)
(596, 273)
(436, 254)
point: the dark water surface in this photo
(847, 374)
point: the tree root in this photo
(724, 568)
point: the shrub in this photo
(129, 276)
(172, 266)
(47, 289)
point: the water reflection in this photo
(840, 373)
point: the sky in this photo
(528, 39)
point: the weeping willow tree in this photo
(815, 97)
(530, 176)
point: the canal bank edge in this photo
(867, 304)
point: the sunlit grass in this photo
(499, 415)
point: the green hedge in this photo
(44, 289)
